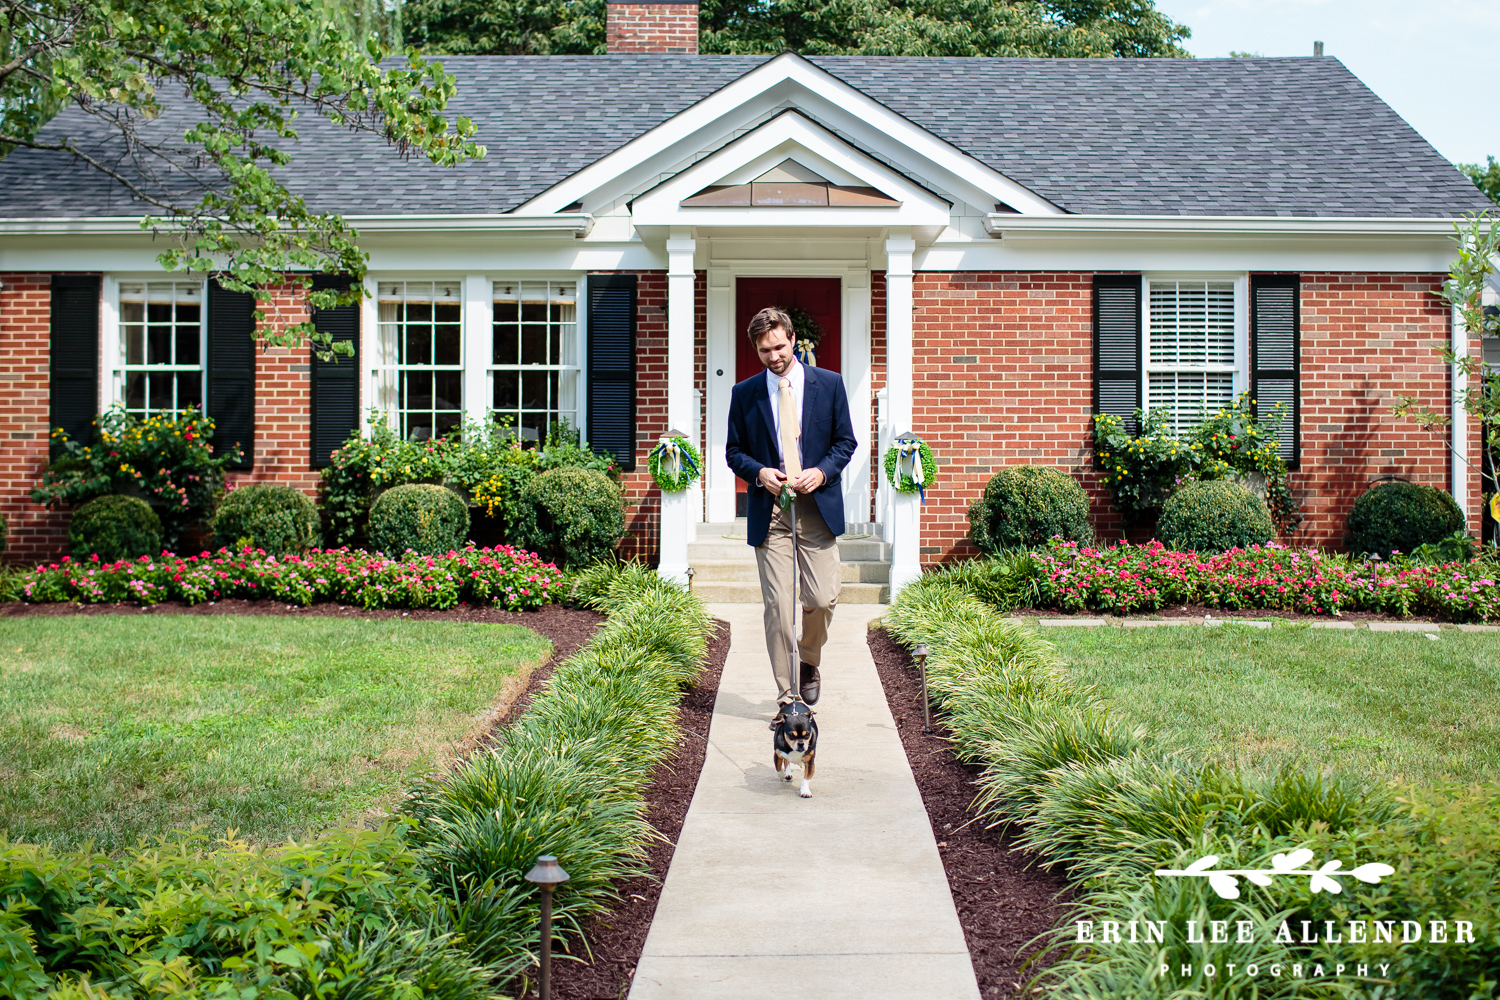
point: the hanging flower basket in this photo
(675, 464)
(909, 466)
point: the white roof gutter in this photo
(1073, 226)
(575, 224)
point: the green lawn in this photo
(1382, 705)
(118, 727)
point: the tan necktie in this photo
(791, 430)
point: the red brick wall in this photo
(25, 329)
(283, 402)
(1366, 340)
(651, 27)
(1004, 376)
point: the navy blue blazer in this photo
(827, 444)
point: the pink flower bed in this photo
(1124, 578)
(509, 578)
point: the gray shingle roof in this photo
(1190, 137)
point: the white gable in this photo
(791, 145)
(871, 135)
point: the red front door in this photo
(819, 298)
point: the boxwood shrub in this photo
(1399, 517)
(1024, 505)
(1214, 516)
(114, 528)
(268, 516)
(426, 519)
(572, 517)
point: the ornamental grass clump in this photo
(1400, 517)
(1115, 805)
(273, 518)
(568, 777)
(418, 517)
(1024, 505)
(111, 528)
(1214, 516)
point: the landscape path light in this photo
(548, 875)
(920, 655)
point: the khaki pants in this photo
(818, 589)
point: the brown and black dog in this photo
(796, 742)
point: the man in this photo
(789, 425)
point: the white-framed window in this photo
(1196, 346)
(162, 328)
(534, 369)
(419, 356)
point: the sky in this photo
(1433, 61)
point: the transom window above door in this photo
(789, 184)
(1192, 353)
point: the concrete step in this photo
(717, 547)
(745, 571)
(727, 592)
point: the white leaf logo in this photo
(1324, 879)
(1227, 886)
(1373, 872)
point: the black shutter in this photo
(335, 383)
(231, 371)
(611, 366)
(1274, 350)
(1117, 346)
(74, 353)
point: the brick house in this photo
(993, 249)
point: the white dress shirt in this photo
(796, 376)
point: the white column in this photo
(678, 518)
(478, 333)
(905, 515)
(718, 480)
(856, 369)
(1459, 425)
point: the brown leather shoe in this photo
(811, 683)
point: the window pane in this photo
(158, 344)
(1190, 396)
(189, 390)
(534, 427)
(135, 344)
(1192, 323)
(507, 343)
(507, 390)
(450, 390)
(449, 345)
(188, 340)
(534, 390)
(534, 333)
(135, 391)
(159, 393)
(417, 394)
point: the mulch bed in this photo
(1003, 900)
(615, 939)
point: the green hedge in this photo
(1111, 803)
(419, 517)
(1401, 517)
(268, 516)
(435, 905)
(1214, 516)
(114, 528)
(572, 517)
(1024, 505)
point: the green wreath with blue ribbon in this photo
(675, 464)
(918, 467)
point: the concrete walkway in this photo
(839, 896)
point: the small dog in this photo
(796, 742)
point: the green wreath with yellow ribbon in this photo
(674, 464)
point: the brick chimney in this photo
(670, 26)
